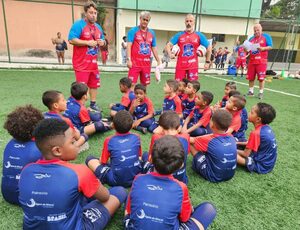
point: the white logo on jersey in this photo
(123, 141)
(93, 214)
(141, 214)
(224, 161)
(201, 159)
(227, 144)
(19, 146)
(41, 175)
(123, 158)
(56, 217)
(154, 187)
(32, 204)
(9, 165)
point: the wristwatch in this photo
(207, 62)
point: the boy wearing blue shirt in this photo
(123, 149)
(215, 154)
(188, 100)
(53, 191)
(158, 201)
(20, 150)
(260, 153)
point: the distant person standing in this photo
(213, 53)
(141, 41)
(241, 60)
(104, 51)
(166, 58)
(188, 42)
(60, 47)
(124, 50)
(87, 36)
(258, 60)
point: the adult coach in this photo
(141, 40)
(188, 42)
(87, 36)
(258, 60)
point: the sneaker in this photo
(249, 94)
(107, 119)
(144, 130)
(260, 96)
(95, 107)
(84, 147)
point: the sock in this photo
(92, 103)
(118, 192)
(261, 91)
(251, 89)
(90, 157)
(100, 127)
(205, 213)
(101, 172)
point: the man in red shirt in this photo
(87, 37)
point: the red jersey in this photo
(260, 57)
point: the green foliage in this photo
(248, 201)
(284, 9)
(101, 13)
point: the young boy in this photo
(261, 150)
(218, 57)
(127, 98)
(181, 87)
(55, 101)
(197, 123)
(172, 101)
(235, 105)
(78, 113)
(215, 154)
(158, 201)
(188, 101)
(169, 122)
(224, 57)
(229, 86)
(142, 110)
(123, 149)
(241, 60)
(20, 150)
(52, 190)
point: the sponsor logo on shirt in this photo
(150, 205)
(9, 165)
(141, 215)
(225, 160)
(123, 158)
(154, 187)
(19, 146)
(32, 203)
(93, 214)
(41, 175)
(123, 140)
(39, 193)
(92, 51)
(56, 217)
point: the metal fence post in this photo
(6, 32)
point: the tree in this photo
(284, 9)
(101, 13)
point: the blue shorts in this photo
(199, 165)
(250, 164)
(95, 216)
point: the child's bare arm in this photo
(102, 194)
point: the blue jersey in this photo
(77, 113)
(263, 147)
(16, 155)
(188, 106)
(124, 151)
(145, 108)
(218, 161)
(240, 135)
(51, 192)
(173, 104)
(157, 202)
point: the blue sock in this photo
(100, 127)
(92, 103)
(205, 213)
(119, 192)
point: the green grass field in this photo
(248, 201)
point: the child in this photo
(197, 123)
(224, 57)
(218, 57)
(20, 150)
(188, 101)
(261, 151)
(229, 86)
(181, 87)
(241, 60)
(235, 105)
(158, 201)
(244, 121)
(52, 190)
(78, 113)
(123, 149)
(172, 101)
(169, 122)
(215, 154)
(128, 96)
(56, 103)
(142, 110)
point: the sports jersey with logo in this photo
(127, 98)
(51, 192)
(142, 43)
(203, 116)
(241, 53)
(145, 108)
(124, 151)
(188, 105)
(85, 57)
(54, 115)
(158, 202)
(16, 155)
(188, 44)
(218, 161)
(263, 144)
(77, 113)
(173, 104)
(260, 57)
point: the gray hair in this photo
(145, 14)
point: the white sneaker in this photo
(84, 147)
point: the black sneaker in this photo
(249, 94)
(95, 107)
(260, 96)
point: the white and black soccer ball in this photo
(175, 50)
(201, 51)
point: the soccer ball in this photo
(175, 50)
(95, 115)
(201, 51)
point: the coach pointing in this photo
(188, 42)
(87, 36)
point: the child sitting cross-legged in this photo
(215, 154)
(158, 201)
(54, 192)
(261, 150)
(123, 149)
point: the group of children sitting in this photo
(55, 194)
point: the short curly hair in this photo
(21, 122)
